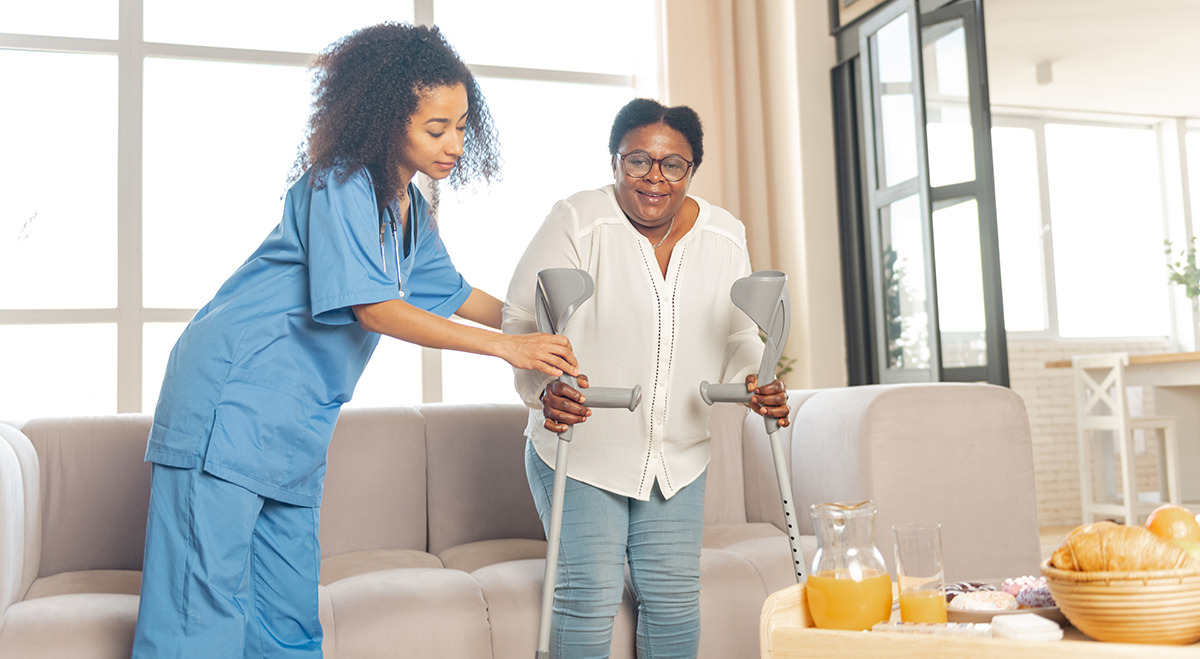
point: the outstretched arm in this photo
(482, 308)
(548, 353)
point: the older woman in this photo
(663, 263)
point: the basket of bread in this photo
(1131, 584)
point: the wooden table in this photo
(1175, 378)
(786, 632)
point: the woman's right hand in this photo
(562, 405)
(549, 353)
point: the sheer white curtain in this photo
(757, 71)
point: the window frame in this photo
(1036, 120)
(130, 315)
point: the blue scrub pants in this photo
(599, 529)
(227, 573)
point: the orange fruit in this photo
(1174, 523)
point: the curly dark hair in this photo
(644, 111)
(367, 85)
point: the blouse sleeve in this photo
(344, 263)
(554, 246)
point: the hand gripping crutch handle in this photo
(560, 292)
(764, 297)
(733, 393)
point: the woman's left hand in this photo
(769, 399)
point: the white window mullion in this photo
(129, 208)
(1039, 133)
(1177, 217)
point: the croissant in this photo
(1109, 547)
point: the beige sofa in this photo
(431, 544)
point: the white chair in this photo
(1101, 404)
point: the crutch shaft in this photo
(552, 536)
(779, 457)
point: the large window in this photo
(147, 145)
(1081, 224)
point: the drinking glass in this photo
(919, 571)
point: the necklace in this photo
(669, 227)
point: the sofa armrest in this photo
(20, 528)
(955, 454)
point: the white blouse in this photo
(665, 334)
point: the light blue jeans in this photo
(600, 529)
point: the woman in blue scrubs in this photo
(254, 386)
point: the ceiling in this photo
(1137, 57)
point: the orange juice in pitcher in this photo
(837, 601)
(848, 585)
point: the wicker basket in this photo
(1130, 607)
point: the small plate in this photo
(1051, 612)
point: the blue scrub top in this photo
(254, 385)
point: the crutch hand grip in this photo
(724, 393)
(613, 397)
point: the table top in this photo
(1134, 360)
(786, 631)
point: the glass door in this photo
(929, 207)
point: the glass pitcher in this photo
(848, 585)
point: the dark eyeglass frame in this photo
(653, 162)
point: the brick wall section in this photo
(1049, 396)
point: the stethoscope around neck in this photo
(387, 218)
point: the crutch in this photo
(764, 297)
(560, 292)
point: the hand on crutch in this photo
(560, 292)
(764, 297)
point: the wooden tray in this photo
(786, 631)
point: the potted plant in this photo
(1182, 270)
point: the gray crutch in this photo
(764, 297)
(560, 292)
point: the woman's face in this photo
(435, 132)
(651, 201)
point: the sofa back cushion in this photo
(762, 486)
(477, 484)
(95, 491)
(725, 492)
(375, 484)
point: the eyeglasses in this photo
(638, 165)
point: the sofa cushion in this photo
(731, 597)
(475, 555)
(95, 491)
(119, 582)
(764, 546)
(477, 484)
(374, 494)
(718, 536)
(96, 626)
(513, 591)
(352, 564)
(415, 612)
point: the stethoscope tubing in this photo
(383, 224)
